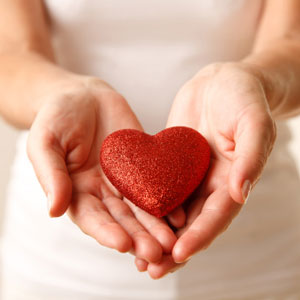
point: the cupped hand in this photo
(63, 146)
(227, 104)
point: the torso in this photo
(148, 49)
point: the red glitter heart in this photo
(157, 173)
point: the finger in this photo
(216, 215)
(141, 264)
(177, 217)
(145, 246)
(193, 211)
(157, 227)
(254, 140)
(92, 217)
(165, 266)
(47, 158)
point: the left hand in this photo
(227, 104)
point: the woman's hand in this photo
(64, 146)
(227, 104)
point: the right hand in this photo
(64, 145)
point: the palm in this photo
(64, 146)
(211, 208)
(89, 200)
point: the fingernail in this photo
(187, 259)
(246, 190)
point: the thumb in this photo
(254, 139)
(48, 162)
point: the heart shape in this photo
(157, 173)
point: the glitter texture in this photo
(157, 173)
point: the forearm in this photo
(279, 65)
(27, 68)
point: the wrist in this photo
(79, 92)
(31, 79)
(253, 76)
(274, 87)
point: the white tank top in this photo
(147, 50)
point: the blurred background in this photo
(8, 136)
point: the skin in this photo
(232, 104)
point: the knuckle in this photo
(93, 83)
(211, 70)
(189, 91)
(116, 97)
(111, 96)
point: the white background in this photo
(8, 137)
